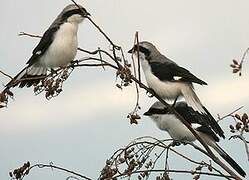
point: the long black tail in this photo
(213, 123)
(27, 77)
(229, 160)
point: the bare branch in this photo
(5, 74)
(229, 114)
(28, 34)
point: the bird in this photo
(171, 81)
(168, 121)
(57, 47)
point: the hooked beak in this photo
(148, 113)
(88, 14)
(131, 50)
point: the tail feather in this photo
(229, 159)
(193, 101)
(29, 76)
(213, 123)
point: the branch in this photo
(59, 168)
(182, 172)
(229, 114)
(140, 156)
(21, 172)
(5, 74)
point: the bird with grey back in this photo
(167, 121)
(57, 47)
(171, 81)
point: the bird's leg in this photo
(150, 94)
(184, 142)
(173, 105)
(53, 71)
(74, 62)
(176, 143)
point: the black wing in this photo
(166, 71)
(43, 45)
(192, 116)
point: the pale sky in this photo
(84, 125)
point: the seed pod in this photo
(245, 116)
(196, 177)
(235, 62)
(9, 93)
(232, 131)
(2, 106)
(121, 160)
(235, 70)
(231, 127)
(237, 116)
(210, 168)
(119, 86)
(198, 168)
(108, 162)
(238, 125)
(232, 65)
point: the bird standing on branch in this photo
(171, 81)
(167, 121)
(57, 47)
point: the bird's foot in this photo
(53, 71)
(74, 62)
(150, 93)
(173, 105)
(176, 143)
(184, 143)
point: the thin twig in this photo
(228, 115)
(138, 58)
(244, 56)
(179, 171)
(5, 74)
(28, 34)
(59, 168)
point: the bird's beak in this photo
(131, 50)
(148, 113)
(88, 14)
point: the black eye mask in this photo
(141, 49)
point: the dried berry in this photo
(235, 70)
(244, 117)
(196, 177)
(237, 116)
(238, 125)
(210, 168)
(235, 62)
(231, 127)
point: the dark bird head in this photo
(144, 48)
(73, 13)
(157, 109)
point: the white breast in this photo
(176, 129)
(166, 90)
(63, 48)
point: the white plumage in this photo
(170, 90)
(64, 47)
(57, 47)
(176, 129)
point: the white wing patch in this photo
(176, 78)
(195, 125)
(38, 52)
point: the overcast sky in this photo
(83, 126)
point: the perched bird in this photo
(171, 81)
(169, 122)
(57, 47)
